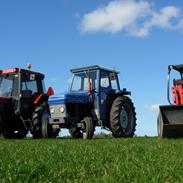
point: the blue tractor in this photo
(94, 99)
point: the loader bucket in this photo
(170, 121)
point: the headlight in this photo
(52, 110)
(62, 109)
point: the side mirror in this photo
(50, 91)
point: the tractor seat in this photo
(178, 82)
(27, 93)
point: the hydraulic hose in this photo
(168, 85)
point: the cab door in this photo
(29, 90)
(105, 89)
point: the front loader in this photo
(170, 119)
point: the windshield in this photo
(80, 81)
(8, 85)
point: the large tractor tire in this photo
(14, 134)
(37, 120)
(76, 132)
(40, 119)
(122, 117)
(88, 129)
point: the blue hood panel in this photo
(71, 97)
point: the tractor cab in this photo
(98, 83)
(20, 82)
(94, 78)
(22, 87)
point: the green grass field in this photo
(99, 160)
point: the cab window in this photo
(113, 79)
(31, 84)
(104, 80)
(8, 85)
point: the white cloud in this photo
(134, 17)
(164, 17)
(116, 16)
(153, 107)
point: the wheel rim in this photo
(123, 118)
(84, 130)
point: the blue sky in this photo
(58, 35)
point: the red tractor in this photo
(24, 104)
(170, 119)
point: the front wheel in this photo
(36, 120)
(123, 117)
(88, 129)
(47, 130)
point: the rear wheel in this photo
(88, 129)
(123, 117)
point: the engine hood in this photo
(69, 97)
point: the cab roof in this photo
(178, 68)
(95, 67)
(18, 70)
